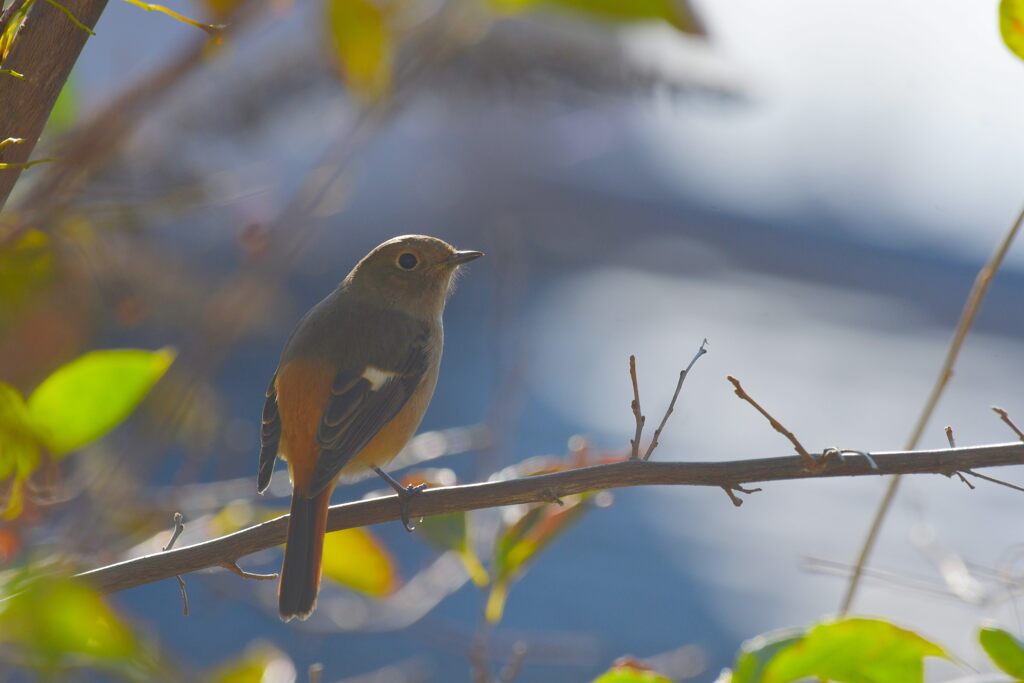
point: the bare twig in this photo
(1005, 417)
(1007, 484)
(952, 444)
(970, 310)
(232, 566)
(736, 500)
(316, 671)
(514, 664)
(537, 489)
(179, 526)
(809, 461)
(672, 404)
(635, 405)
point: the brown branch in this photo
(635, 405)
(45, 50)
(537, 489)
(1005, 417)
(970, 311)
(809, 461)
(952, 444)
(672, 404)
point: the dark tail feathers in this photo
(303, 552)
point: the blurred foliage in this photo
(629, 670)
(356, 559)
(1011, 25)
(85, 399)
(675, 12)
(65, 110)
(844, 651)
(449, 531)
(55, 624)
(261, 663)
(361, 40)
(1004, 649)
(77, 404)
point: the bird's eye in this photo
(408, 261)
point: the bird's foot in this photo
(405, 494)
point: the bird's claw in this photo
(405, 494)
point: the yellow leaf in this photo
(356, 559)
(1011, 25)
(360, 38)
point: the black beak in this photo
(460, 257)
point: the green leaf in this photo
(19, 448)
(756, 653)
(1004, 649)
(629, 670)
(520, 543)
(356, 559)
(1011, 25)
(851, 651)
(260, 662)
(58, 623)
(360, 37)
(88, 397)
(677, 13)
(65, 109)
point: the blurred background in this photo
(812, 188)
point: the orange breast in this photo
(303, 387)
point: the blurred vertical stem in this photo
(970, 311)
(45, 51)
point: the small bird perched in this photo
(353, 382)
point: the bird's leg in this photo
(405, 494)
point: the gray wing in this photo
(270, 437)
(355, 412)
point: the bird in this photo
(351, 387)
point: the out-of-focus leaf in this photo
(756, 653)
(1004, 649)
(356, 559)
(213, 29)
(448, 531)
(65, 109)
(844, 651)
(675, 12)
(1011, 25)
(88, 397)
(629, 670)
(360, 37)
(19, 448)
(24, 267)
(519, 543)
(261, 663)
(57, 623)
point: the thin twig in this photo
(537, 489)
(316, 670)
(736, 500)
(809, 461)
(672, 404)
(232, 566)
(1007, 484)
(970, 310)
(635, 405)
(1005, 417)
(179, 526)
(952, 444)
(514, 664)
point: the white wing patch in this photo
(377, 377)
